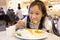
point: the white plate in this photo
(28, 36)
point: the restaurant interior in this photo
(6, 20)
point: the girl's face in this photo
(35, 14)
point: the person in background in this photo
(55, 25)
(36, 18)
(2, 11)
(58, 25)
(19, 13)
(48, 21)
(10, 14)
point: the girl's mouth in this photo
(33, 22)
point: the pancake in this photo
(38, 32)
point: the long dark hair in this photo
(42, 8)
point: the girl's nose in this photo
(33, 17)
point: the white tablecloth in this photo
(3, 36)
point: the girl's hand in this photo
(20, 24)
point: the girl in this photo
(35, 19)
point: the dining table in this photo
(4, 36)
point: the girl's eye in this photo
(37, 13)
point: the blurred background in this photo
(52, 7)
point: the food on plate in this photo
(19, 34)
(38, 32)
(30, 32)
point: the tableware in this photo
(31, 34)
(10, 31)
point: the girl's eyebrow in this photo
(35, 11)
